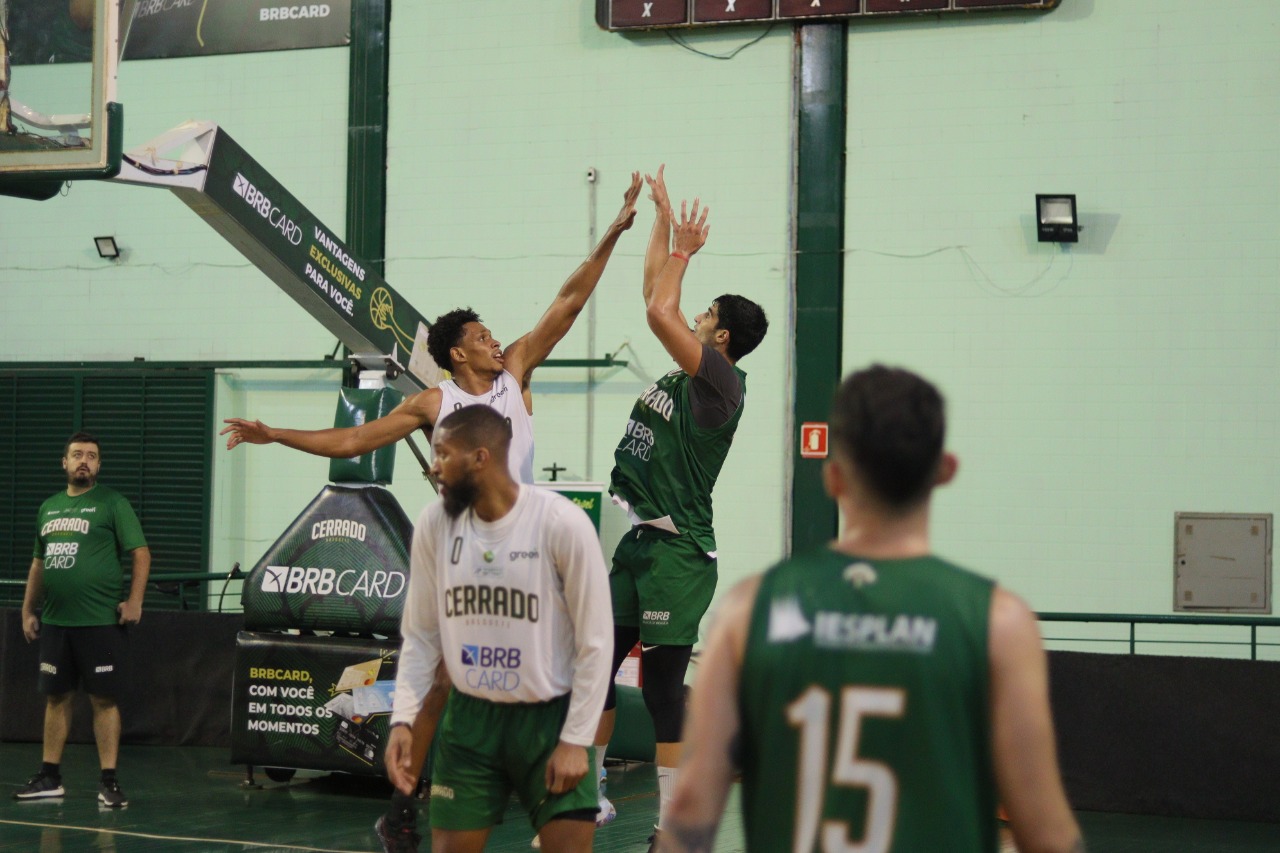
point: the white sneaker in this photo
(607, 812)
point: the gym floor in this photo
(187, 800)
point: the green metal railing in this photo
(181, 584)
(1133, 620)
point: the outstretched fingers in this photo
(627, 215)
(633, 192)
(658, 192)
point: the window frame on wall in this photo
(156, 427)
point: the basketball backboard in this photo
(59, 120)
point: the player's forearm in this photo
(335, 443)
(593, 653)
(656, 253)
(1067, 842)
(586, 592)
(663, 312)
(1041, 818)
(419, 655)
(141, 572)
(34, 594)
(581, 283)
(419, 626)
(681, 834)
(415, 675)
(706, 773)
(590, 684)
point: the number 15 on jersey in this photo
(810, 714)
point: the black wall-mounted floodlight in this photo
(107, 248)
(1056, 220)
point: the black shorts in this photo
(92, 656)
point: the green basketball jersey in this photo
(81, 540)
(666, 465)
(866, 708)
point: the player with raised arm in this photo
(872, 695)
(483, 372)
(666, 464)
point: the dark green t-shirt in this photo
(81, 540)
(666, 465)
(866, 707)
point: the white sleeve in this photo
(575, 548)
(420, 624)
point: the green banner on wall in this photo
(45, 31)
(163, 28)
(262, 219)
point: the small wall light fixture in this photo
(107, 248)
(1056, 220)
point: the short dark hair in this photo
(891, 424)
(81, 438)
(745, 322)
(478, 425)
(446, 333)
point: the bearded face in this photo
(459, 495)
(81, 464)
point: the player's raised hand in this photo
(691, 230)
(658, 194)
(246, 432)
(627, 215)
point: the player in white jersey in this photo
(482, 372)
(505, 398)
(508, 586)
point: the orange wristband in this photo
(681, 255)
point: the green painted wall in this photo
(1093, 391)
(180, 291)
(498, 110)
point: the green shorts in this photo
(487, 750)
(663, 584)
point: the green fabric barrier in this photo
(357, 406)
(633, 735)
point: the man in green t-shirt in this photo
(872, 695)
(666, 465)
(81, 535)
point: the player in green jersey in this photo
(674, 446)
(873, 696)
(82, 533)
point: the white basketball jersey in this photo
(518, 607)
(505, 398)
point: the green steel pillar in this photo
(821, 97)
(367, 134)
